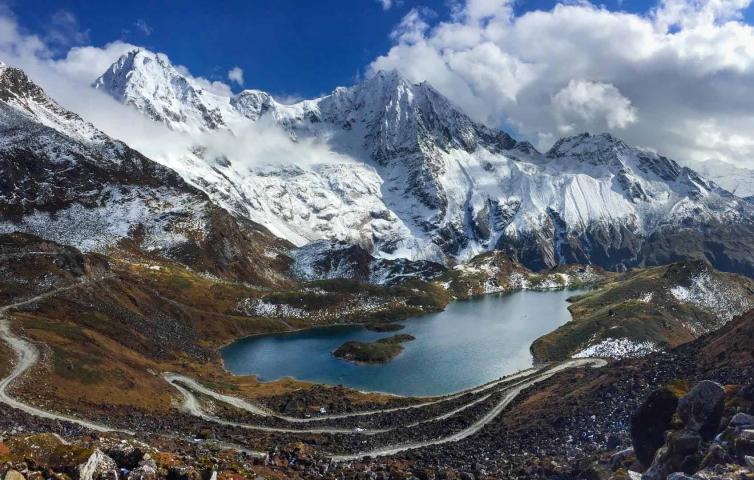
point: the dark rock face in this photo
(649, 423)
(702, 408)
(332, 259)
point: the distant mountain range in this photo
(408, 177)
(412, 176)
(737, 180)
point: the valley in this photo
(176, 317)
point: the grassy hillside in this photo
(648, 309)
(106, 341)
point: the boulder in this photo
(702, 408)
(127, 453)
(183, 473)
(742, 420)
(744, 443)
(98, 467)
(649, 422)
(47, 450)
(146, 469)
(618, 459)
(716, 455)
(679, 454)
(14, 475)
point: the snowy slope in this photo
(737, 180)
(66, 181)
(411, 176)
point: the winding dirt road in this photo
(530, 377)
(176, 378)
(26, 356)
(512, 393)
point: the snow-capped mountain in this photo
(411, 176)
(737, 180)
(150, 83)
(66, 181)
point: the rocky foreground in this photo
(685, 412)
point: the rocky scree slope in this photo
(409, 175)
(66, 181)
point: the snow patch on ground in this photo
(164, 216)
(724, 301)
(618, 348)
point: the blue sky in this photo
(676, 76)
(289, 47)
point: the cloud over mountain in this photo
(677, 78)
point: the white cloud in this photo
(64, 31)
(235, 74)
(386, 4)
(88, 63)
(142, 26)
(679, 78)
(592, 103)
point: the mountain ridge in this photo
(66, 181)
(412, 176)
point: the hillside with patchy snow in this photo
(647, 310)
(66, 181)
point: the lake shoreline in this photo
(518, 356)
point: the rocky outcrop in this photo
(694, 436)
(700, 410)
(650, 421)
(98, 467)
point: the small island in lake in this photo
(379, 351)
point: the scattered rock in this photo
(183, 473)
(619, 458)
(679, 476)
(744, 443)
(127, 454)
(147, 469)
(742, 420)
(679, 454)
(716, 455)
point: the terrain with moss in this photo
(379, 351)
(649, 309)
(127, 318)
(497, 272)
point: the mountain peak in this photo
(15, 83)
(150, 83)
(252, 103)
(586, 144)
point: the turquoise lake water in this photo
(470, 343)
